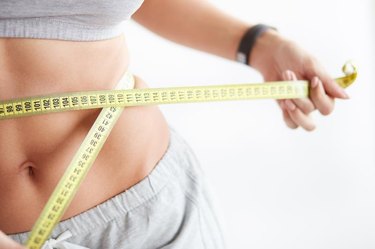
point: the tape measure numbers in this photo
(155, 96)
(113, 102)
(76, 171)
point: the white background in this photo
(275, 187)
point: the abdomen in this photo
(34, 151)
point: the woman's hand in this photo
(277, 58)
(7, 243)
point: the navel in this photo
(28, 167)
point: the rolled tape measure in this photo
(113, 102)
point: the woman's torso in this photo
(35, 150)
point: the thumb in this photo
(330, 86)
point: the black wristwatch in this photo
(248, 40)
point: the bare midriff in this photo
(35, 150)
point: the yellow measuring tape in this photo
(113, 102)
(155, 96)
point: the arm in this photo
(193, 23)
(197, 24)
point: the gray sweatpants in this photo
(169, 208)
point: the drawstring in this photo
(59, 242)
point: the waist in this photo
(36, 150)
(35, 66)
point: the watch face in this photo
(241, 57)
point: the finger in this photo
(330, 86)
(7, 243)
(301, 119)
(288, 121)
(322, 101)
(306, 105)
(281, 104)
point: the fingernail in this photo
(345, 95)
(289, 75)
(314, 82)
(312, 127)
(290, 105)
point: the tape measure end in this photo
(349, 68)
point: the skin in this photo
(6, 243)
(35, 150)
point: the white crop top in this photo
(75, 20)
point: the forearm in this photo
(197, 24)
(193, 23)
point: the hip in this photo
(169, 208)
